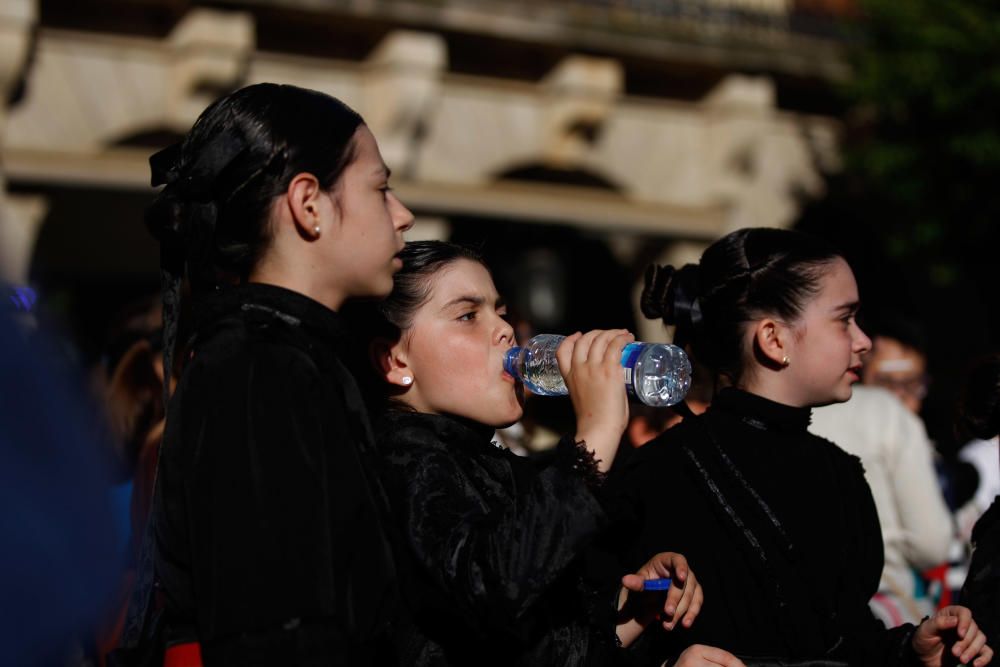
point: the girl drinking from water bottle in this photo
(488, 542)
(268, 523)
(779, 524)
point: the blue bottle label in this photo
(630, 354)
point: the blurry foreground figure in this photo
(58, 554)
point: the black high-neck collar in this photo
(265, 300)
(762, 413)
(445, 426)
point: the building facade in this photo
(648, 127)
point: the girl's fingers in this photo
(616, 343)
(581, 351)
(599, 345)
(564, 353)
(694, 609)
(974, 648)
(965, 621)
(633, 582)
(603, 346)
(671, 606)
(984, 657)
(965, 639)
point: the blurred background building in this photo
(575, 140)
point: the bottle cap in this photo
(656, 584)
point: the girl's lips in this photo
(855, 371)
(508, 377)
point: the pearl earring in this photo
(316, 230)
(785, 361)
(407, 380)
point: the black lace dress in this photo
(779, 526)
(488, 547)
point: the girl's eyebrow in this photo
(848, 308)
(383, 170)
(465, 299)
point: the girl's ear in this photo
(303, 201)
(771, 340)
(389, 358)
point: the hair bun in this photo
(655, 302)
(672, 294)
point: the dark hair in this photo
(211, 218)
(744, 275)
(411, 285)
(979, 409)
(392, 316)
(906, 330)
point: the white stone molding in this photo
(88, 91)
(209, 51)
(400, 84)
(678, 169)
(19, 219)
(579, 96)
(17, 22)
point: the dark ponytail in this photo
(747, 274)
(211, 218)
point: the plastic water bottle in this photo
(657, 374)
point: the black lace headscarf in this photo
(745, 275)
(212, 215)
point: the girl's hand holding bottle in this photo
(590, 363)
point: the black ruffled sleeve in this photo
(489, 529)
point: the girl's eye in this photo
(385, 190)
(467, 317)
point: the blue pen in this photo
(656, 584)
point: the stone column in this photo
(401, 81)
(580, 94)
(20, 217)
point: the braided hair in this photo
(745, 275)
(212, 215)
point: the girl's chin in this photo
(507, 420)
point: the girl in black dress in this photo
(779, 524)
(490, 541)
(980, 416)
(268, 524)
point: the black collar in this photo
(448, 428)
(761, 413)
(271, 301)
